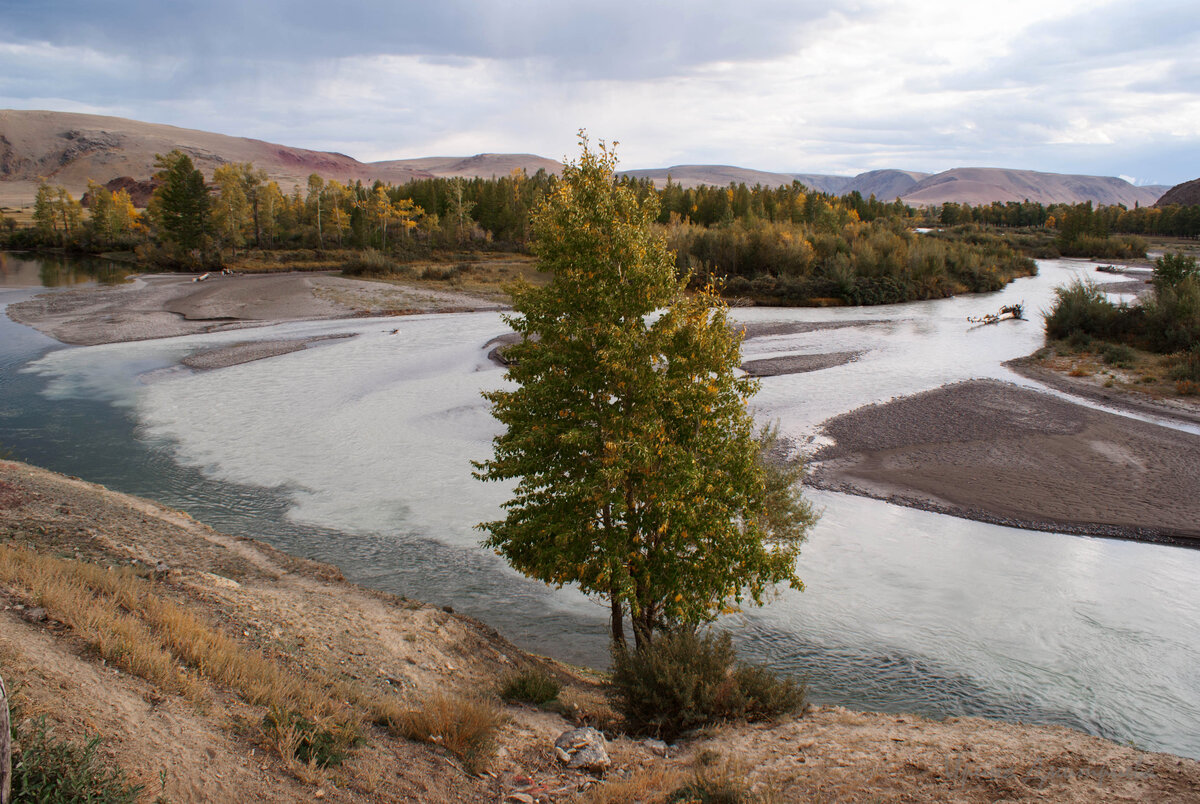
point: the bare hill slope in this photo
(1186, 193)
(484, 166)
(69, 149)
(984, 185)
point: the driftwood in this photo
(5, 748)
(1016, 312)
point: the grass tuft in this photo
(464, 726)
(533, 686)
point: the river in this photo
(357, 452)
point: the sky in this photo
(1069, 86)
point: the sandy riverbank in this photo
(311, 623)
(999, 453)
(165, 305)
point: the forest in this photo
(773, 245)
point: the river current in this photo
(357, 451)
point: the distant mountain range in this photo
(68, 149)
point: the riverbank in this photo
(310, 623)
(167, 305)
(998, 453)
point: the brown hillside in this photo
(712, 175)
(985, 185)
(483, 166)
(1185, 194)
(69, 149)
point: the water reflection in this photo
(23, 270)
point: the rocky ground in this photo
(306, 619)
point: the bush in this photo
(1119, 355)
(1185, 366)
(1082, 307)
(532, 686)
(1171, 269)
(369, 262)
(683, 681)
(50, 770)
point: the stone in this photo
(657, 747)
(35, 615)
(582, 749)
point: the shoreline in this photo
(307, 620)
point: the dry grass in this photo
(464, 726)
(653, 785)
(119, 614)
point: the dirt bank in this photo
(308, 621)
(999, 453)
(161, 306)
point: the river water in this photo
(357, 452)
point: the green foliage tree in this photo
(640, 475)
(180, 207)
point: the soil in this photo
(1000, 453)
(161, 306)
(304, 615)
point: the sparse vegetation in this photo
(684, 681)
(48, 769)
(122, 617)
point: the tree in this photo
(180, 206)
(640, 475)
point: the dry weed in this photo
(464, 726)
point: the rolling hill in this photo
(68, 149)
(1186, 193)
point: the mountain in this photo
(713, 175)
(68, 149)
(1186, 193)
(484, 166)
(985, 185)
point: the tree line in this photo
(783, 245)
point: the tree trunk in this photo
(5, 748)
(617, 623)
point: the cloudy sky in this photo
(1071, 86)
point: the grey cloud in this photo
(619, 39)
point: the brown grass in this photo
(119, 614)
(653, 785)
(464, 726)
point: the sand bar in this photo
(999, 453)
(165, 305)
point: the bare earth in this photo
(306, 617)
(162, 306)
(995, 452)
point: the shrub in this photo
(50, 770)
(1171, 269)
(1185, 366)
(1119, 355)
(533, 686)
(368, 262)
(1082, 307)
(683, 681)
